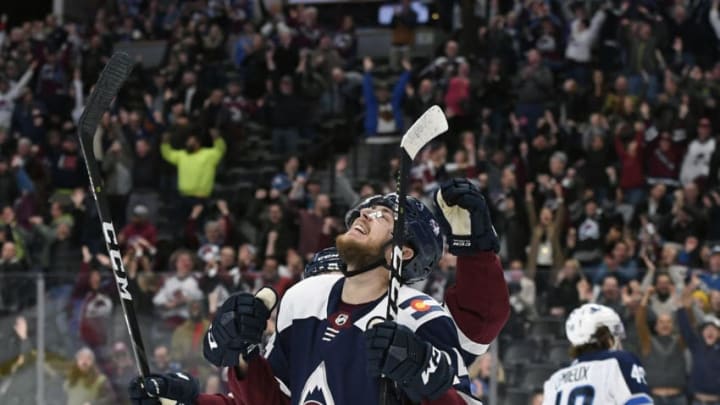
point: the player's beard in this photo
(357, 254)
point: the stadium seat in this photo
(520, 352)
(557, 354)
(535, 375)
(547, 327)
(516, 396)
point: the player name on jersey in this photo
(573, 375)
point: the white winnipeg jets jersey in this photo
(600, 378)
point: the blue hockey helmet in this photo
(324, 261)
(422, 233)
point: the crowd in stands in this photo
(590, 125)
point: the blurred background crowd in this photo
(590, 126)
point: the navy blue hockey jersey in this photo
(318, 353)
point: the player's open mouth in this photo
(360, 229)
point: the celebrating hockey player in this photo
(320, 352)
(601, 372)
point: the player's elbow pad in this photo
(433, 380)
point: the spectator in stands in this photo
(121, 368)
(580, 43)
(68, 171)
(545, 254)
(196, 166)
(610, 294)
(533, 86)
(178, 290)
(85, 383)
(13, 297)
(705, 350)
(284, 110)
(711, 277)
(276, 236)
(317, 228)
(640, 42)
(139, 230)
(632, 180)
(215, 232)
(522, 291)
(383, 109)
(585, 239)
(60, 247)
(699, 153)
(403, 24)
(96, 307)
(446, 65)
(480, 373)
(662, 355)
(271, 276)
(9, 92)
(345, 40)
(162, 362)
(565, 293)
(186, 343)
(619, 262)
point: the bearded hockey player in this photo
(318, 355)
(478, 301)
(601, 372)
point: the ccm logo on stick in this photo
(116, 259)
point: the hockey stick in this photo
(431, 124)
(111, 80)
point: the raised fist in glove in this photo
(465, 218)
(421, 370)
(238, 327)
(180, 387)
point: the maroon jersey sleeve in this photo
(258, 387)
(450, 397)
(479, 300)
(216, 399)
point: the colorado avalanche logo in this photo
(316, 390)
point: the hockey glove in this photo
(238, 327)
(465, 218)
(179, 387)
(421, 370)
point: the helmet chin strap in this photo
(381, 261)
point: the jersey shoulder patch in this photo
(416, 308)
(306, 299)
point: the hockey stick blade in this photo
(111, 80)
(431, 124)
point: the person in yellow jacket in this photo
(196, 165)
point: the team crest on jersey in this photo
(316, 390)
(341, 319)
(420, 305)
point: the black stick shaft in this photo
(388, 392)
(109, 83)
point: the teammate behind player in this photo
(601, 373)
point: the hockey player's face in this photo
(374, 225)
(365, 241)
